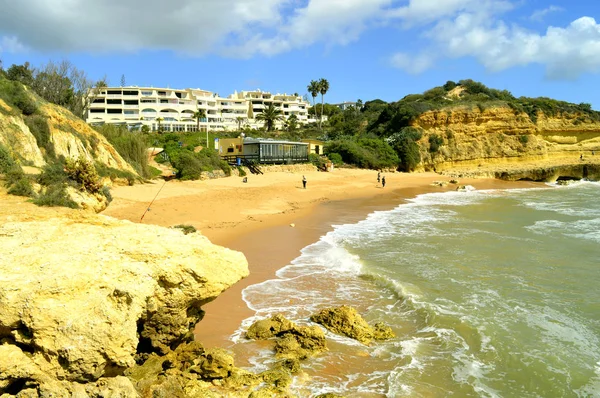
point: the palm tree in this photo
(323, 85)
(270, 115)
(313, 89)
(291, 124)
(239, 121)
(158, 120)
(199, 114)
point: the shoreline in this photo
(264, 233)
(226, 313)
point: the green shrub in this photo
(405, 145)
(55, 196)
(84, 174)
(241, 171)
(38, 125)
(112, 173)
(524, 139)
(105, 191)
(186, 229)
(7, 163)
(335, 158)
(317, 160)
(130, 145)
(435, 142)
(15, 94)
(20, 185)
(190, 164)
(367, 153)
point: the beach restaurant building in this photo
(263, 151)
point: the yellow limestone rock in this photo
(78, 291)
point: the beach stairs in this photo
(252, 166)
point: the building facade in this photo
(173, 109)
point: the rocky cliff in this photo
(83, 296)
(501, 142)
(70, 137)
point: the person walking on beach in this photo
(383, 182)
(304, 181)
(378, 177)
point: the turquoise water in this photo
(490, 293)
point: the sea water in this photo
(490, 293)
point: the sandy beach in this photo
(270, 219)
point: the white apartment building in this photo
(174, 108)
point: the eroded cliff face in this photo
(498, 142)
(83, 295)
(70, 136)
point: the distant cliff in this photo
(501, 142)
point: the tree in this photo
(239, 121)
(199, 114)
(359, 105)
(270, 115)
(20, 73)
(313, 89)
(291, 124)
(323, 85)
(159, 120)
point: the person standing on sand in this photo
(383, 182)
(378, 177)
(304, 181)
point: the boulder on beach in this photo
(346, 321)
(292, 341)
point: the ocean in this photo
(491, 293)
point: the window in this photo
(148, 93)
(96, 110)
(229, 150)
(113, 101)
(114, 92)
(114, 111)
(99, 101)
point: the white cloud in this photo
(539, 15)
(478, 32)
(194, 27)
(188, 26)
(11, 44)
(413, 64)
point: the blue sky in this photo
(367, 49)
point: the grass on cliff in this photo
(398, 115)
(131, 146)
(17, 96)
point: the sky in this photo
(366, 49)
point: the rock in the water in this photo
(293, 341)
(382, 331)
(267, 328)
(346, 321)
